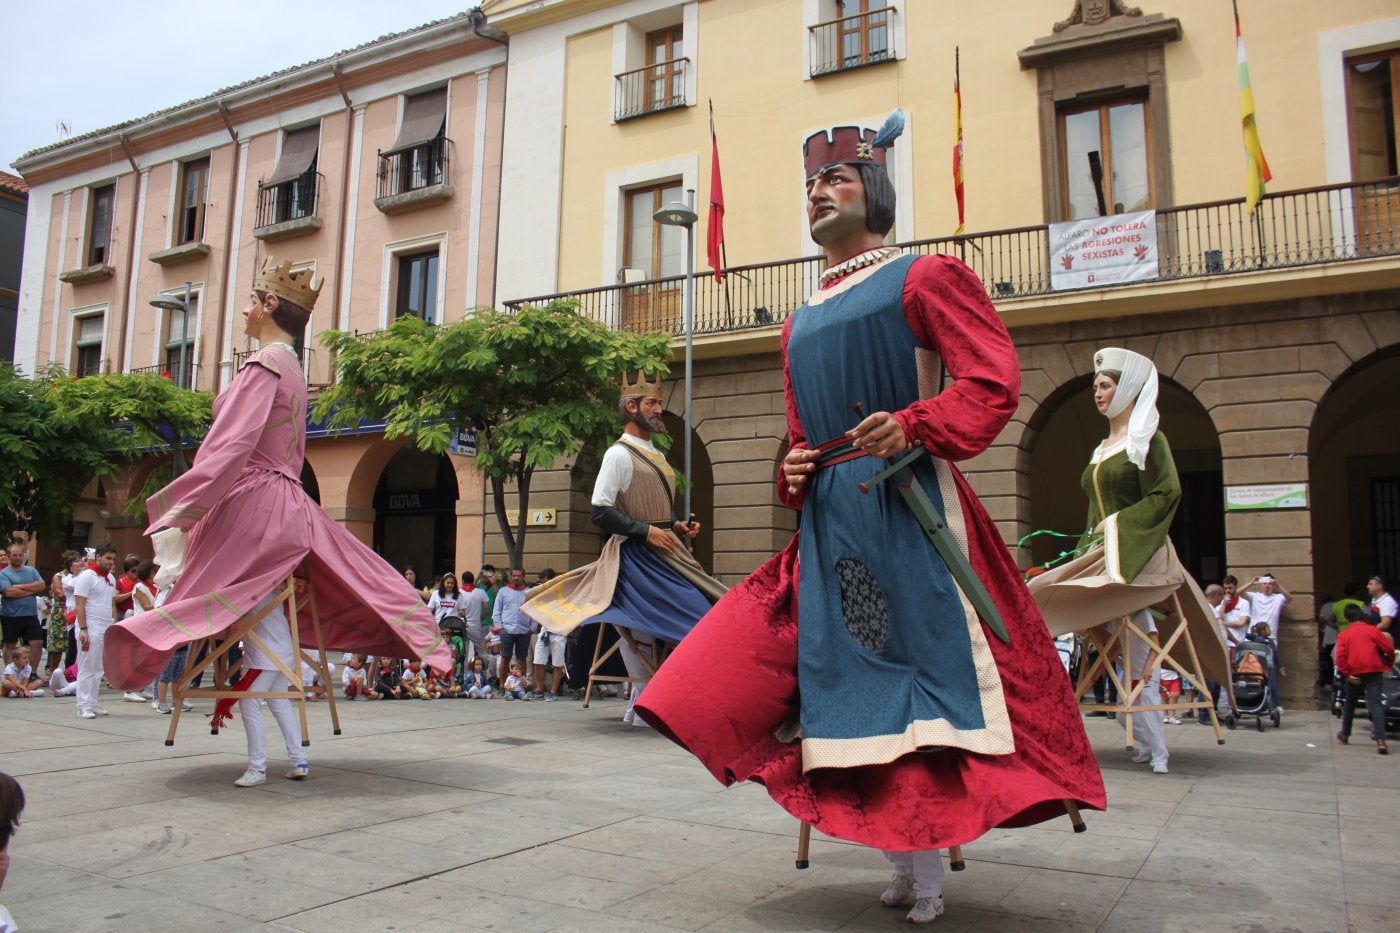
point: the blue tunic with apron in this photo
(881, 625)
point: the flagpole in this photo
(957, 150)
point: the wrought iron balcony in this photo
(182, 377)
(291, 200)
(1306, 227)
(851, 42)
(414, 169)
(651, 89)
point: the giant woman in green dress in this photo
(1128, 564)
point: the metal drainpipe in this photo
(228, 244)
(478, 19)
(345, 194)
(132, 236)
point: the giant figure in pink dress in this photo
(251, 525)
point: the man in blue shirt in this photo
(515, 625)
(21, 585)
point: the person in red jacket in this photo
(1363, 654)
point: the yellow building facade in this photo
(1275, 331)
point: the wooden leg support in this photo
(223, 672)
(804, 844)
(955, 859)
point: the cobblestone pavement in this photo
(489, 815)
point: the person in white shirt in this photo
(1266, 602)
(276, 633)
(475, 606)
(93, 595)
(1382, 602)
(1148, 735)
(1215, 595)
(1266, 605)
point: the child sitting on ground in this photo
(355, 679)
(515, 684)
(64, 681)
(19, 679)
(415, 682)
(386, 683)
(477, 686)
(442, 685)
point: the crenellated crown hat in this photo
(851, 145)
(280, 280)
(640, 388)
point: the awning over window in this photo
(423, 117)
(298, 152)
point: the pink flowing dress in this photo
(251, 526)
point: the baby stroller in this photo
(1251, 669)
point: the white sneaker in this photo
(86, 714)
(251, 778)
(37, 693)
(925, 910)
(186, 707)
(298, 772)
(901, 886)
(99, 711)
(155, 705)
(1141, 758)
(135, 697)
(1159, 769)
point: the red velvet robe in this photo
(732, 682)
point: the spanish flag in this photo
(1256, 167)
(957, 145)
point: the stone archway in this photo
(1061, 436)
(309, 482)
(415, 512)
(1354, 454)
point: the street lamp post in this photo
(171, 303)
(682, 214)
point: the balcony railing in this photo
(1311, 226)
(412, 169)
(851, 42)
(182, 377)
(291, 200)
(651, 89)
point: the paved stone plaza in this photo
(472, 815)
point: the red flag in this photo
(715, 234)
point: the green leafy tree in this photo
(140, 415)
(537, 385)
(49, 455)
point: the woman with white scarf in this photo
(1129, 563)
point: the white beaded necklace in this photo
(870, 257)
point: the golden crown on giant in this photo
(291, 286)
(641, 387)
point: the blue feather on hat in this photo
(890, 130)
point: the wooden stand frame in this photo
(1158, 655)
(217, 650)
(600, 657)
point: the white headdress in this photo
(1137, 386)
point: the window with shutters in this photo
(1106, 155)
(88, 334)
(100, 225)
(291, 192)
(420, 155)
(189, 217)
